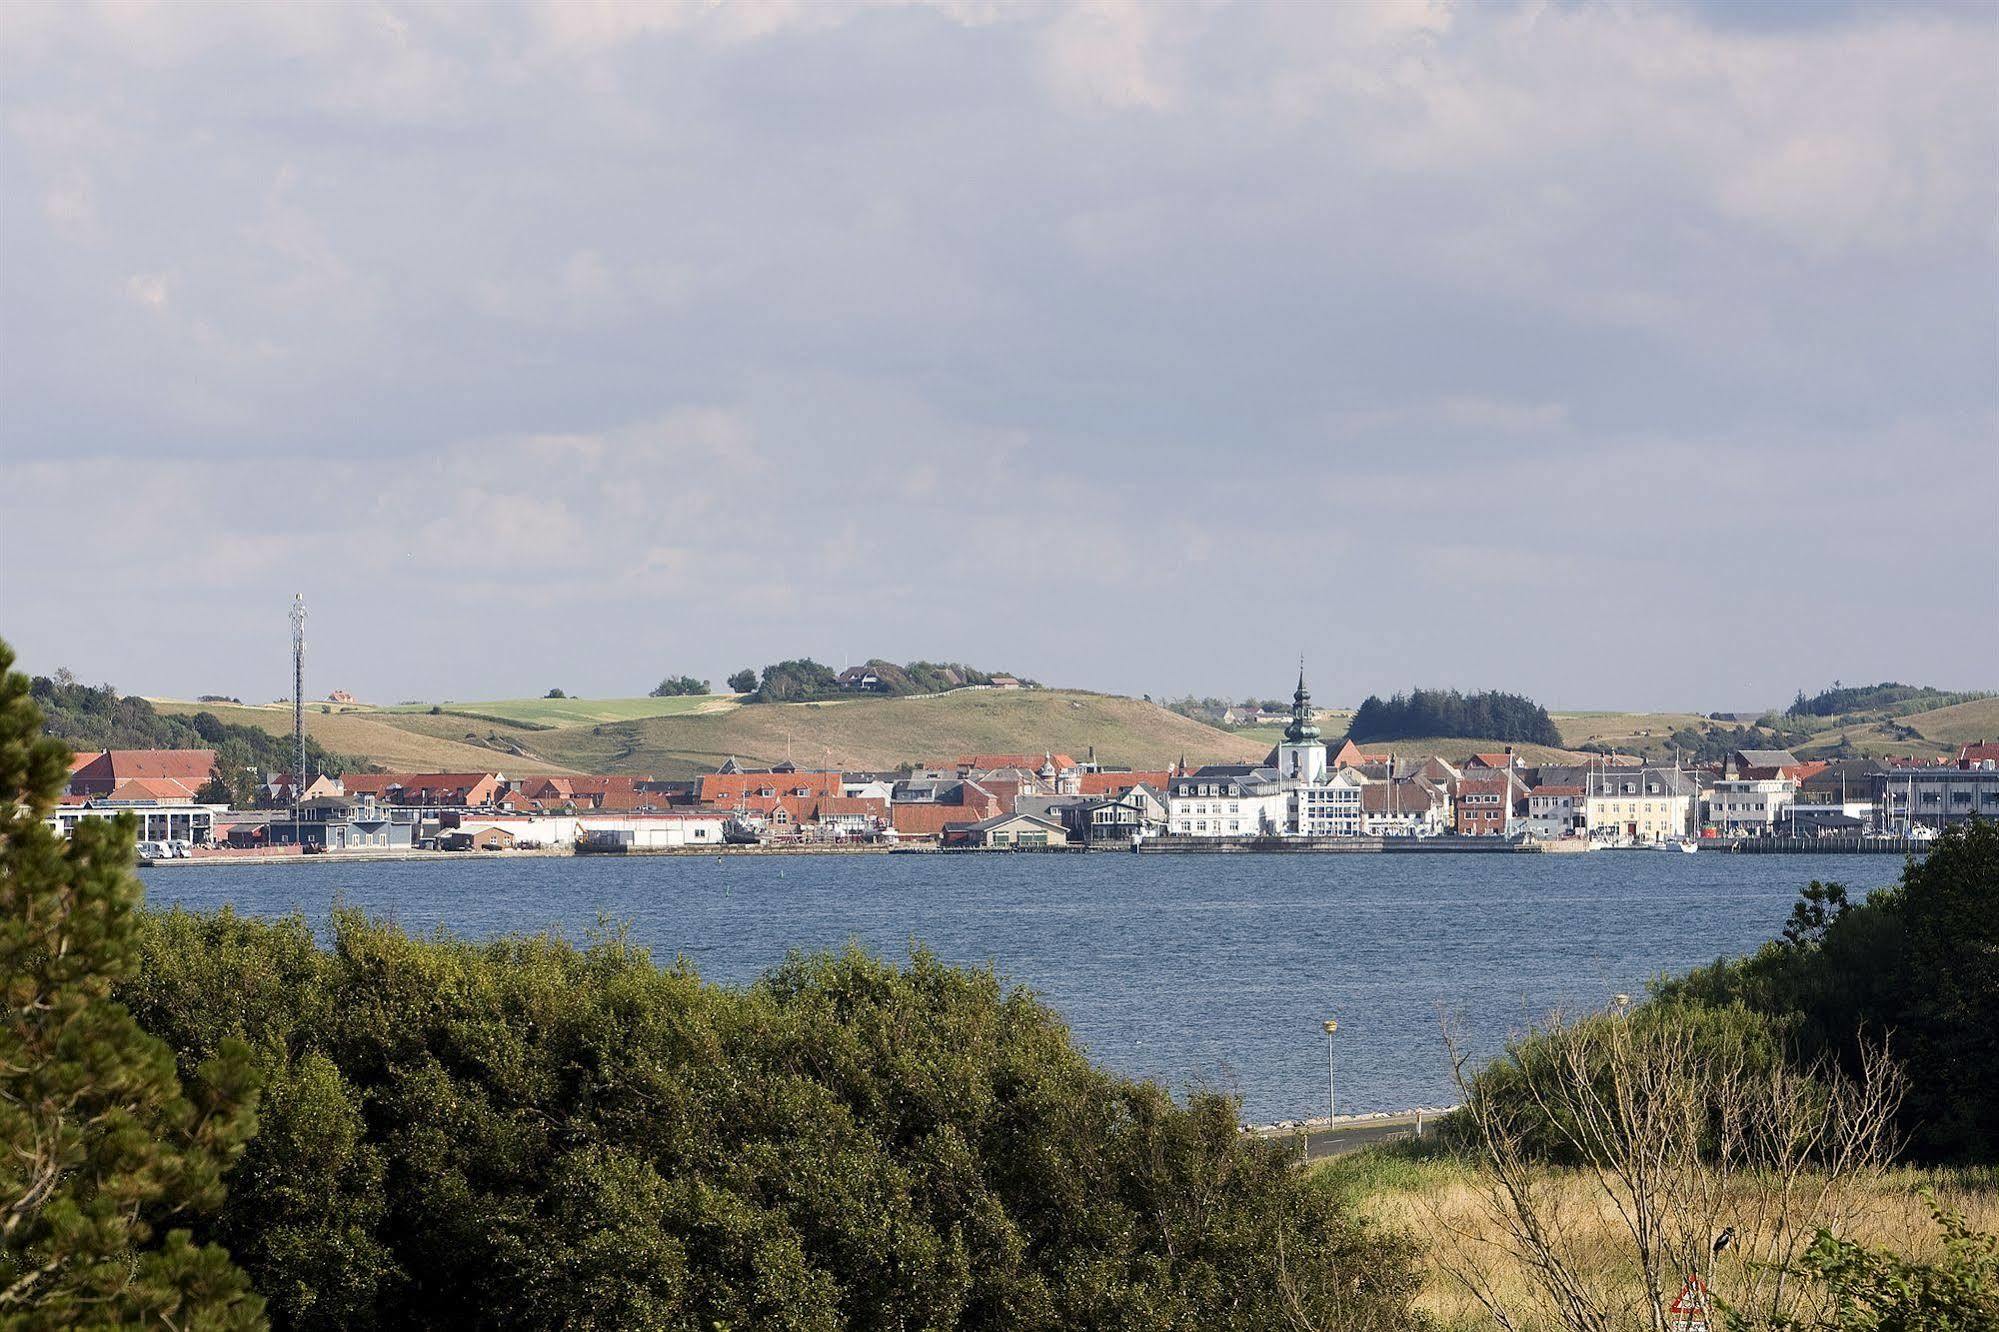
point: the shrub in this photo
(560, 1136)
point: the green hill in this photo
(678, 737)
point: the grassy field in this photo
(1629, 732)
(387, 740)
(1938, 731)
(577, 711)
(678, 737)
(1439, 1201)
(683, 737)
(881, 733)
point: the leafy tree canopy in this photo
(742, 682)
(679, 686)
(551, 1136)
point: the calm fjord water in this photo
(1211, 970)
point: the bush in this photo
(1915, 966)
(1873, 1290)
(678, 686)
(559, 1137)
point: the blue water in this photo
(1194, 970)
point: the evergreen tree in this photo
(100, 1145)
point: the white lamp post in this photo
(1332, 1098)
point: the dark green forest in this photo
(1422, 713)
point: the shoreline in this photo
(1369, 846)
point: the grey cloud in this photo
(1439, 299)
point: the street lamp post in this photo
(1332, 1097)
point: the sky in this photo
(1627, 355)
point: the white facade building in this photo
(1328, 807)
(1227, 801)
(1750, 807)
(1639, 804)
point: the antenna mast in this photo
(298, 694)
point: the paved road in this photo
(1322, 1142)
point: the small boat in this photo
(1689, 845)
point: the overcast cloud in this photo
(1629, 355)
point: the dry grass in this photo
(374, 737)
(1440, 1201)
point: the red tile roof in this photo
(99, 773)
(923, 819)
(726, 788)
(1980, 752)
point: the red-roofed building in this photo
(101, 773)
(450, 790)
(1978, 754)
(1350, 755)
(925, 819)
(1489, 803)
(723, 790)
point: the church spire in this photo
(1301, 730)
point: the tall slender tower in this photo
(298, 694)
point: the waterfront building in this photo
(1750, 806)
(344, 823)
(1640, 804)
(1491, 802)
(1937, 797)
(1017, 830)
(1410, 808)
(1555, 811)
(165, 812)
(1227, 800)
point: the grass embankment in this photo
(1439, 1200)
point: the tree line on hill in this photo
(1890, 697)
(93, 717)
(1422, 713)
(803, 680)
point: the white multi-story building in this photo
(1329, 807)
(1554, 811)
(1227, 800)
(1750, 806)
(1639, 804)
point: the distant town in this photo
(1306, 794)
